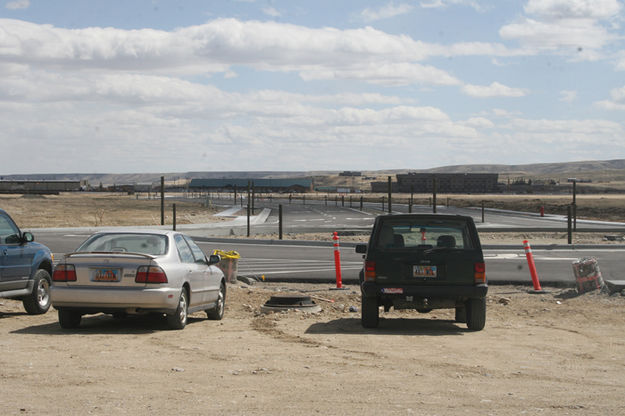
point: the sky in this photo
(108, 86)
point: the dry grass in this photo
(99, 209)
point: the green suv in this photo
(424, 262)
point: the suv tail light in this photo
(64, 273)
(150, 274)
(369, 271)
(479, 274)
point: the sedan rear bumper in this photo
(163, 299)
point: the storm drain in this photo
(280, 303)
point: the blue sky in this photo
(174, 86)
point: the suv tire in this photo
(38, 301)
(370, 312)
(476, 314)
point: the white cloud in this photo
(573, 27)
(568, 96)
(385, 12)
(563, 9)
(439, 4)
(18, 4)
(270, 11)
(616, 102)
(365, 54)
(495, 89)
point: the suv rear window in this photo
(417, 234)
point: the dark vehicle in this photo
(25, 267)
(424, 262)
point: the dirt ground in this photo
(549, 354)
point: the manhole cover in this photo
(279, 303)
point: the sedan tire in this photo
(69, 319)
(218, 312)
(178, 320)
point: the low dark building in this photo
(38, 187)
(460, 183)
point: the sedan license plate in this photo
(106, 275)
(428, 272)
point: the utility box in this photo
(587, 275)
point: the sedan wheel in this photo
(178, 320)
(69, 319)
(218, 312)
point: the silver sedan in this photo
(134, 272)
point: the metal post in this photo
(361, 203)
(482, 211)
(434, 195)
(350, 201)
(280, 222)
(569, 229)
(574, 204)
(382, 204)
(342, 200)
(390, 195)
(253, 198)
(248, 207)
(162, 200)
(235, 194)
(174, 208)
(326, 199)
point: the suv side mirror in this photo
(361, 248)
(213, 259)
(28, 237)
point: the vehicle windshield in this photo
(152, 244)
(425, 235)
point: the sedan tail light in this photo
(64, 273)
(150, 274)
(369, 270)
(479, 274)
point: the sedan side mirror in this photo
(361, 248)
(213, 259)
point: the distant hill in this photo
(591, 169)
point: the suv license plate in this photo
(424, 271)
(106, 275)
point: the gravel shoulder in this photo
(549, 354)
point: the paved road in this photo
(315, 216)
(315, 262)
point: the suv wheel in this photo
(461, 314)
(476, 314)
(370, 312)
(38, 301)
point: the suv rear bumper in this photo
(372, 289)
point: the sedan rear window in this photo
(440, 234)
(152, 244)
